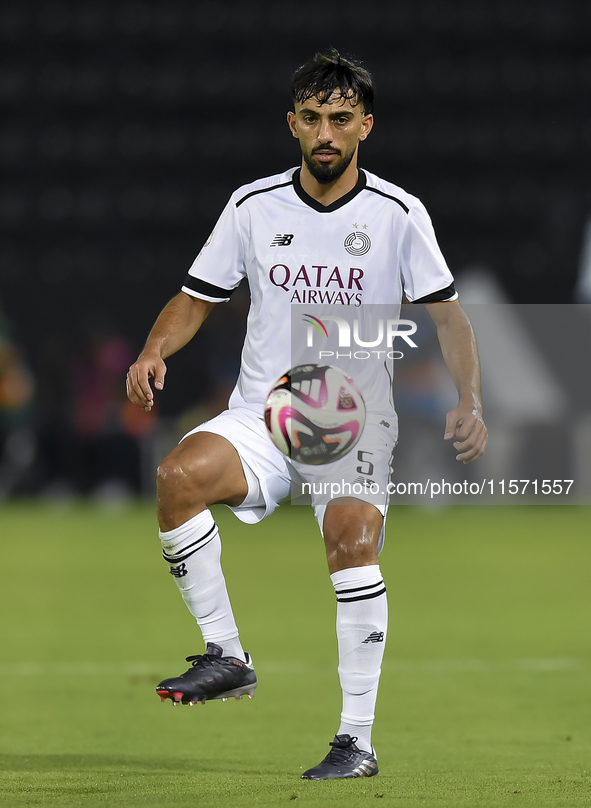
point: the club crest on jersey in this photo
(357, 243)
(282, 240)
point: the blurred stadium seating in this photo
(126, 125)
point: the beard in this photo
(325, 173)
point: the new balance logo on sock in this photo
(180, 571)
(375, 636)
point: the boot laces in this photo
(340, 752)
(202, 660)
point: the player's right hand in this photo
(138, 378)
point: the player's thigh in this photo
(205, 466)
(352, 529)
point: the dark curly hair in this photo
(329, 73)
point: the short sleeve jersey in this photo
(373, 245)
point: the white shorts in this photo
(364, 473)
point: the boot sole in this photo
(178, 697)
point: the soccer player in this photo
(294, 237)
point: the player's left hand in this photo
(469, 431)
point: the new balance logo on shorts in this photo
(180, 571)
(365, 481)
(375, 636)
(282, 240)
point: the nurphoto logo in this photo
(384, 335)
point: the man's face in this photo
(329, 134)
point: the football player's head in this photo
(333, 99)
(330, 76)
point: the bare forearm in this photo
(464, 424)
(460, 352)
(176, 325)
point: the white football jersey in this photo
(371, 246)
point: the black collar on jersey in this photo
(297, 185)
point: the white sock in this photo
(193, 552)
(362, 625)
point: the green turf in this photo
(484, 699)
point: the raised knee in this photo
(177, 473)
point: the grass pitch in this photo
(484, 698)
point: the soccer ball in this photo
(315, 414)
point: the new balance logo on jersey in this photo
(180, 571)
(282, 240)
(375, 636)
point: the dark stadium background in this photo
(125, 126)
